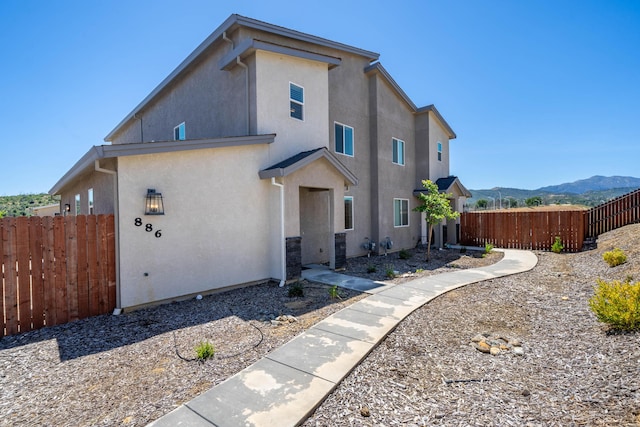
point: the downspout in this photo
(246, 84)
(283, 261)
(114, 174)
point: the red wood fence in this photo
(538, 229)
(534, 230)
(55, 270)
(613, 214)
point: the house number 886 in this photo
(147, 227)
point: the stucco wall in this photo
(395, 120)
(438, 169)
(349, 105)
(273, 74)
(215, 232)
(103, 190)
(211, 103)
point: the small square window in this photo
(348, 213)
(398, 151)
(439, 151)
(179, 133)
(344, 139)
(400, 212)
(296, 101)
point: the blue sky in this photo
(539, 92)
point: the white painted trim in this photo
(296, 101)
(404, 151)
(394, 214)
(353, 142)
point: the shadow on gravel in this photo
(259, 303)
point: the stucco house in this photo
(271, 149)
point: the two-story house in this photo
(269, 149)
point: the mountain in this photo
(595, 183)
(587, 192)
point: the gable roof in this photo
(230, 24)
(304, 158)
(445, 185)
(379, 69)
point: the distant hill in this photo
(22, 205)
(587, 192)
(595, 183)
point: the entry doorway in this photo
(316, 225)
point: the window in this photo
(344, 139)
(296, 101)
(398, 151)
(439, 151)
(179, 132)
(77, 204)
(400, 212)
(348, 213)
(90, 200)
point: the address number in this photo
(147, 227)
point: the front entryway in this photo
(316, 228)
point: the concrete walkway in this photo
(285, 386)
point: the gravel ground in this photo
(574, 371)
(131, 369)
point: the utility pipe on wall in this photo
(114, 174)
(283, 255)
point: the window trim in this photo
(335, 142)
(394, 213)
(352, 214)
(439, 148)
(181, 127)
(396, 142)
(78, 206)
(295, 101)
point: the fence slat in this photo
(71, 243)
(37, 282)
(82, 278)
(9, 242)
(59, 253)
(24, 274)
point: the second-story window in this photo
(78, 207)
(344, 139)
(179, 132)
(439, 151)
(90, 200)
(398, 151)
(296, 101)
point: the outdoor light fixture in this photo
(153, 203)
(67, 207)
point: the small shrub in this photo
(389, 272)
(334, 293)
(615, 257)
(371, 268)
(488, 247)
(404, 254)
(419, 270)
(296, 290)
(617, 304)
(557, 246)
(204, 351)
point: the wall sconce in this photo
(67, 207)
(153, 204)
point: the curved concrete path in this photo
(285, 386)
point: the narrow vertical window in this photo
(398, 151)
(348, 213)
(90, 200)
(439, 151)
(296, 101)
(78, 207)
(400, 212)
(179, 133)
(344, 139)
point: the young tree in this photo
(482, 204)
(436, 207)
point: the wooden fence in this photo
(538, 229)
(534, 230)
(613, 214)
(55, 270)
